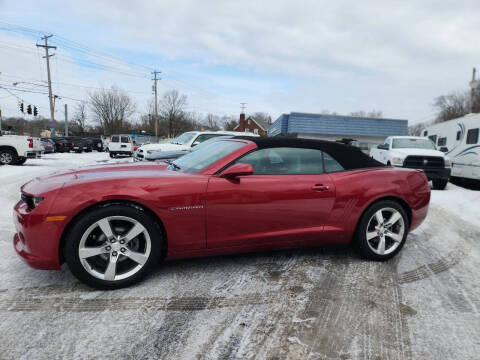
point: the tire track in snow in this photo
(154, 304)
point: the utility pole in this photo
(50, 96)
(155, 107)
(66, 120)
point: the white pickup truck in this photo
(14, 149)
(415, 153)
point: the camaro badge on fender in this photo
(175, 208)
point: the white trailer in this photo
(459, 138)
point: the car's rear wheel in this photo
(382, 231)
(21, 160)
(439, 184)
(113, 246)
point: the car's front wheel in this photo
(8, 157)
(113, 246)
(382, 231)
(439, 184)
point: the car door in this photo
(287, 200)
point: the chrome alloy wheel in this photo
(385, 231)
(6, 158)
(114, 248)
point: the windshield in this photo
(197, 161)
(210, 141)
(183, 139)
(410, 143)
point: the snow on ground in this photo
(313, 304)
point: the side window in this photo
(125, 139)
(458, 135)
(425, 133)
(202, 137)
(442, 141)
(115, 139)
(433, 138)
(388, 142)
(472, 136)
(284, 161)
(331, 165)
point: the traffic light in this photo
(29, 109)
(35, 111)
(22, 110)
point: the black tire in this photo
(439, 184)
(81, 225)
(8, 157)
(21, 161)
(360, 243)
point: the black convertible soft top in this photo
(350, 157)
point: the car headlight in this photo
(448, 163)
(397, 161)
(31, 201)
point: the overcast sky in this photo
(278, 56)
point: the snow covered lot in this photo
(315, 304)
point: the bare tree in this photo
(452, 106)
(80, 117)
(212, 121)
(229, 122)
(262, 116)
(112, 109)
(172, 110)
(416, 129)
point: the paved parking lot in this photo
(313, 304)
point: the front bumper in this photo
(36, 241)
(436, 173)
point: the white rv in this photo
(459, 139)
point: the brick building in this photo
(252, 125)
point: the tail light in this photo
(30, 143)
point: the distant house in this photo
(336, 127)
(250, 124)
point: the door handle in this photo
(320, 187)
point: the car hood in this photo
(44, 184)
(163, 147)
(417, 152)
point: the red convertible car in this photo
(112, 224)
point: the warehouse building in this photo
(366, 131)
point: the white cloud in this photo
(343, 55)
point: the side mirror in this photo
(195, 143)
(382, 147)
(237, 170)
(444, 149)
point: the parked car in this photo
(175, 154)
(78, 145)
(415, 153)
(120, 145)
(89, 145)
(97, 144)
(14, 149)
(62, 145)
(184, 142)
(48, 145)
(113, 224)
